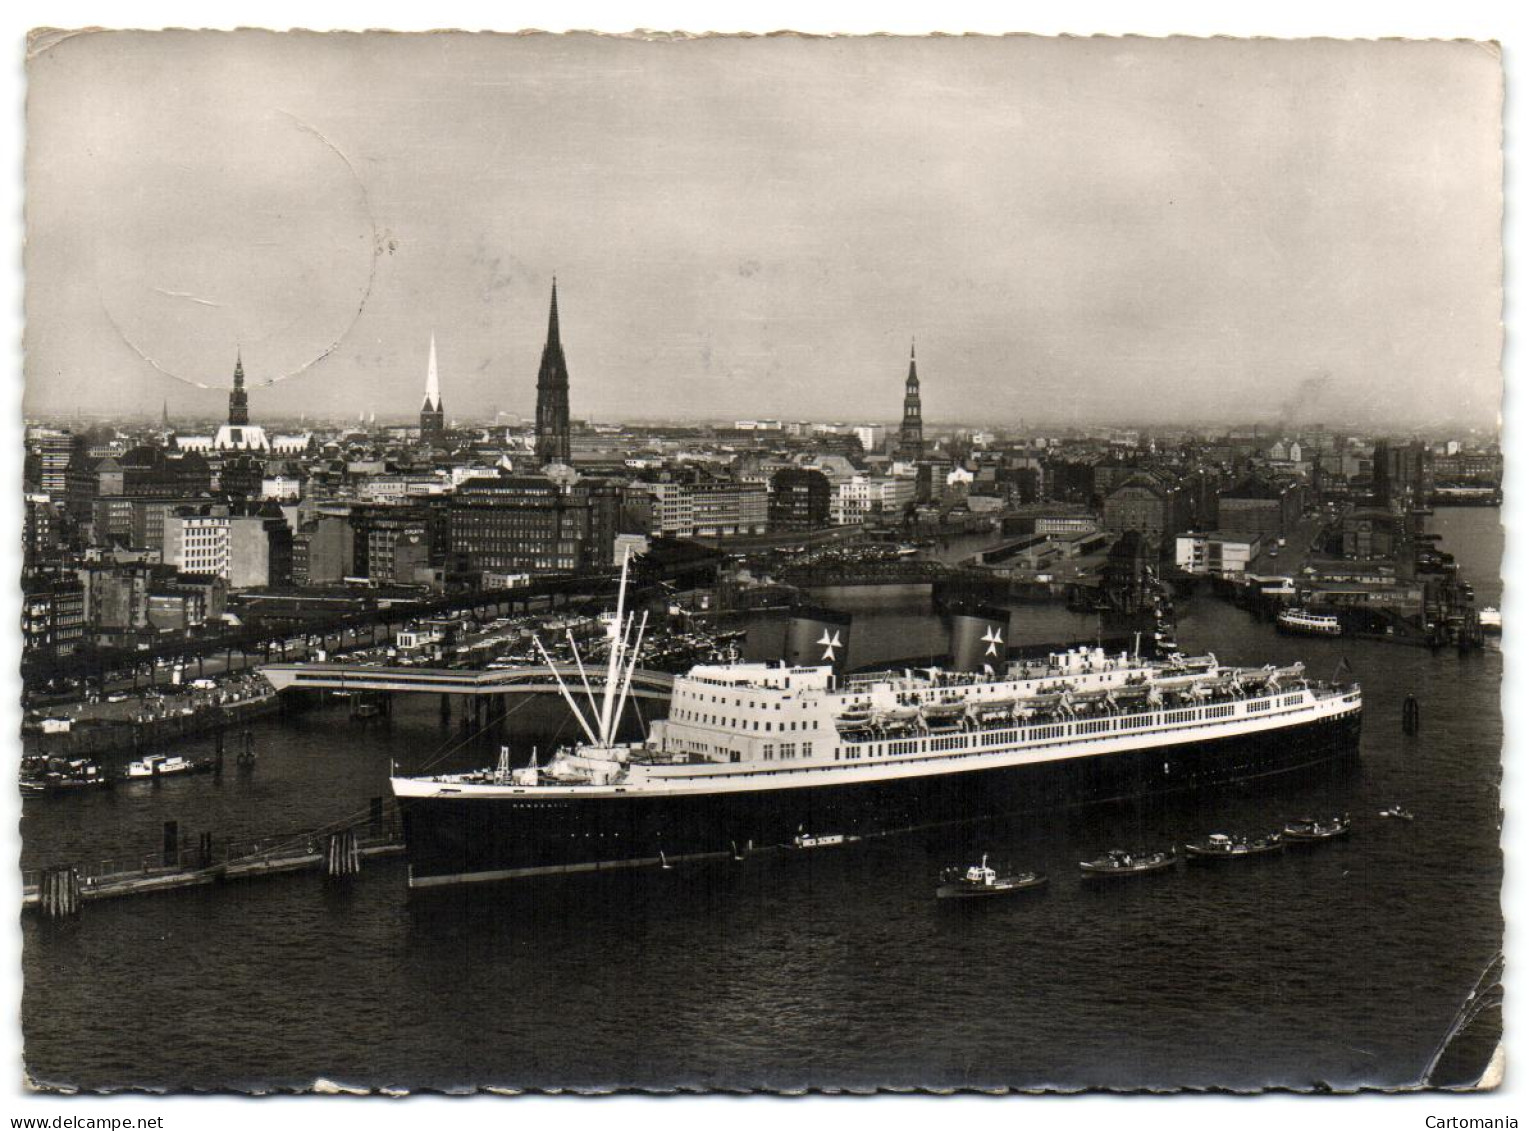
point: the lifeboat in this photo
(942, 711)
(991, 708)
(898, 719)
(856, 716)
(1040, 705)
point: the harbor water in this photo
(1335, 965)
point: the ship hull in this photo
(458, 840)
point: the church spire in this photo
(432, 381)
(553, 442)
(432, 416)
(238, 399)
(910, 440)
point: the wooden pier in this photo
(337, 850)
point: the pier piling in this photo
(171, 845)
(342, 855)
(60, 892)
(1411, 715)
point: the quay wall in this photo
(125, 736)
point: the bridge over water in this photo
(532, 679)
(893, 571)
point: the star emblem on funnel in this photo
(992, 638)
(829, 643)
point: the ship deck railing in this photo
(1094, 709)
(948, 678)
(862, 750)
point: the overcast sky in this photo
(1079, 230)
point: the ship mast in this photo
(573, 704)
(625, 635)
(617, 647)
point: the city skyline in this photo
(1080, 230)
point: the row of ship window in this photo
(852, 752)
(787, 751)
(751, 705)
(718, 720)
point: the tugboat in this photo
(979, 881)
(1220, 846)
(1398, 812)
(166, 765)
(1116, 862)
(1311, 829)
(42, 774)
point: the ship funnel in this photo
(816, 637)
(978, 640)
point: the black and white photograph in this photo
(772, 564)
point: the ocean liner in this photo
(755, 756)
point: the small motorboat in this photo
(1310, 829)
(1220, 846)
(165, 765)
(828, 840)
(979, 880)
(1397, 812)
(1116, 862)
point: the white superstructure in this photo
(752, 726)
